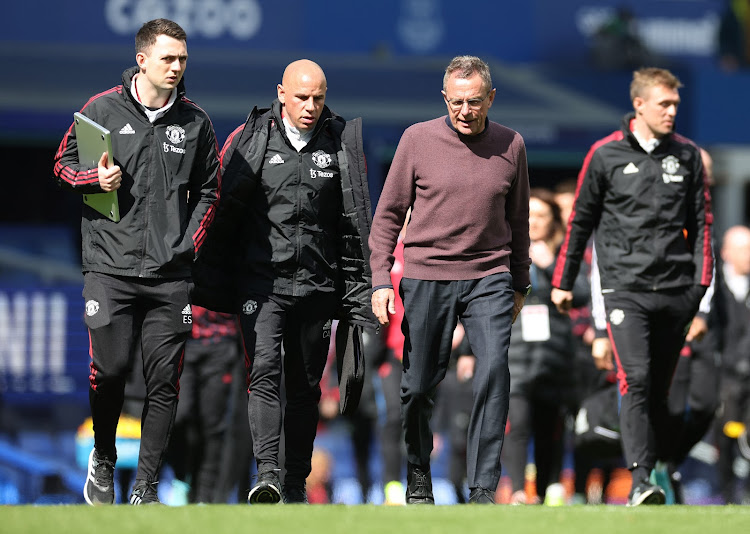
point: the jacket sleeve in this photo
(216, 265)
(698, 224)
(69, 173)
(586, 212)
(205, 183)
(354, 269)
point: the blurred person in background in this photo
(733, 35)
(643, 175)
(295, 204)
(459, 264)
(732, 306)
(137, 271)
(201, 424)
(617, 44)
(541, 359)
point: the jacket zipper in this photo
(147, 196)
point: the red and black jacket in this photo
(170, 179)
(651, 214)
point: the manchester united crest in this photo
(321, 159)
(176, 134)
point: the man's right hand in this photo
(562, 299)
(109, 178)
(383, 303)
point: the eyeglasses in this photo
(473, 103)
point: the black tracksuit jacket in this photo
(289, 222)
(651, 212)
(169, 185)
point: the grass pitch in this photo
(331, 519)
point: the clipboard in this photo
(93, 140)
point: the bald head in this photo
(302, 93)
(735, 249)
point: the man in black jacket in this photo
(287, 252)
(643, 190)
(137, 270)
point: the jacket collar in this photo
(127, 82)
(630, 136)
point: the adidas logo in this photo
(127, 129)
(276, 160)
(630, 169)
(186, 310)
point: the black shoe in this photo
(418, 485)
(480, 495)
(100, 486)
(144, 492)
(295, 494)
(644, 492)
(267, 489)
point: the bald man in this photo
(732, 304)
(287, 252)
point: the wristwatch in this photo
(526, 291)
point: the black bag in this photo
(350, 364)
(597, 424)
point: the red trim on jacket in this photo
(563, 255)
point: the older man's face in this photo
(468, 103)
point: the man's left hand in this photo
(518, 300)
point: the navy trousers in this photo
(431, 311)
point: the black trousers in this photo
(431, 311)
(121, 311)
(647, 331)
(302, 325)
(544, 421)
(201, 424)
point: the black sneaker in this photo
(644, 492)
(480, 495)
(144, 492)
(100, 487)
(267, 489)
(295, 494)
(418, 485)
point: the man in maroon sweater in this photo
(466, 256)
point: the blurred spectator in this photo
(206, 385)
(319, 488)
(617, 46)
(541, 358)
(694, 393)
(454, 403)
(594, 388)
(362, 422)
(733, 43)
(389, 371)
(732, 303)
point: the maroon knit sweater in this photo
(470, 205)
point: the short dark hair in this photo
(465, 67)
(146, 36)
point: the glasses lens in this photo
(474, 103)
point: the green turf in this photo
(241, 519)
